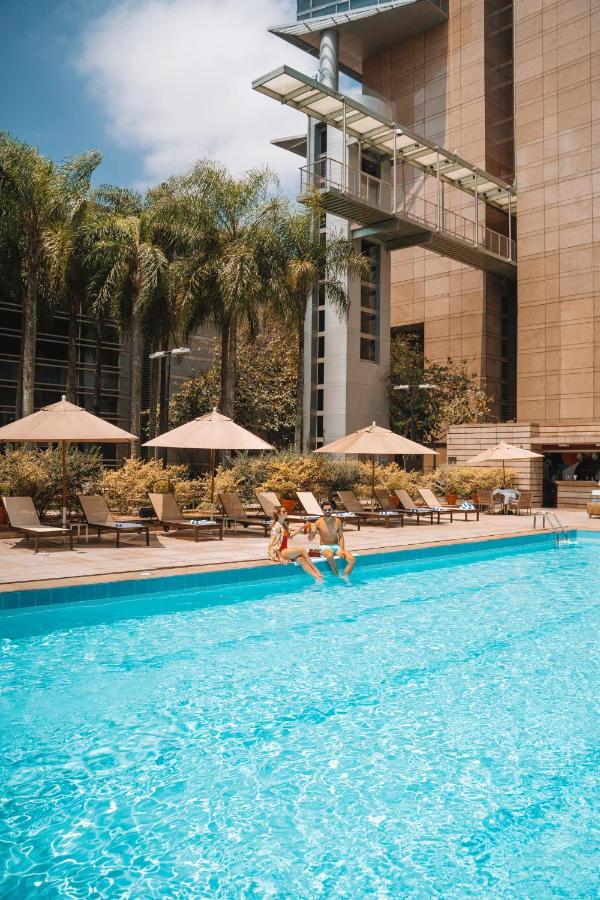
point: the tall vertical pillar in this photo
(329, 53)
(344, 388)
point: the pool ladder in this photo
(551, 519)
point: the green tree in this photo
(265, 389)
(128, 276)
(221, 233)
(308, 264)
(457, 397)
(36, 197)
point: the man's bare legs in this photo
(329, 556)
(350, 562)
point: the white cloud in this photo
(173, 78)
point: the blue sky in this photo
(44, 99)
(153, 84)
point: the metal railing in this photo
(551, 519)
(328, 173)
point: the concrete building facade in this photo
(491, 158)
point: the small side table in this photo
(77, 527)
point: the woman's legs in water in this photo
(299, 555)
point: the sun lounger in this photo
(415, 512)
(433, 502)
(353, 505)
(22, 517)
(98, 515)
(169, 515)
(269, 500)
(234, 512)
(312, 508)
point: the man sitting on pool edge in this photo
(331, 534)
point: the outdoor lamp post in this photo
(412, 392)
(165, 378)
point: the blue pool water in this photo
(430, 730)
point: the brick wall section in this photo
(557, 73)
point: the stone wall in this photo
(557, 74)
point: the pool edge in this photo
(112, 587)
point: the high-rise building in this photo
(467, 165)
(115, 371)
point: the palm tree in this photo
(220, 233)
(67, 280)
(36, 197)
(128, 273)
(310, 263)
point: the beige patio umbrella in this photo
(212, 431)
(64, 423)
(503, 453)
(376, 441)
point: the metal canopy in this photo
(296, 143)
(309, 96)
(365, 32)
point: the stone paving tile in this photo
(19, 565)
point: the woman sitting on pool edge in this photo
(278, 545)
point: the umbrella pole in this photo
(64, 482)
(373, 481)
(503, 474)
(212, 476)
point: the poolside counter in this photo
(574, 494)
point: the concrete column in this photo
(329, 68)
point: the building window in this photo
(369, 305)
(310, 9)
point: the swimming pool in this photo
(430, 730)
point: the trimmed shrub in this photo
(292, 472)
(467, 480)
(127, 488)
(38, 474)
(391, 477)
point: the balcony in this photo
(406, 219)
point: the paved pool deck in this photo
(178, 553)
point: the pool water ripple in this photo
(424, 732)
